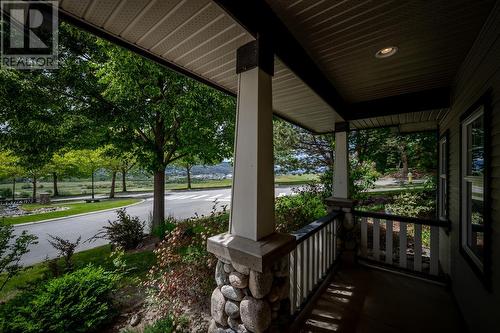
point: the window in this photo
(473, 187)
(443, 178)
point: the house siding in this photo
(479, 73)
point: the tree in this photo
(62, 165)
(127, 162)
(296, 148)
(89, 161)
(165, 115)
(115, 96)
(187, 163)
(10, 169)
(113, 160)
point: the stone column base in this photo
(253, 284)
(347, 243)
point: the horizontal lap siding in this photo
(479, 72)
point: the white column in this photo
(341, 173)
(252, 206)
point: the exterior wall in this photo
(479, 72)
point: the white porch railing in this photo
(312, 259)
(407, 243)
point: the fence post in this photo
(346, 241)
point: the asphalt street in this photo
(180, 204)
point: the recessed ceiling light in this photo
(386, 52)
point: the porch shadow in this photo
(360, 299)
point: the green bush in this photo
(6, 193)
(126, 232)
(164, 228)
(296, 211)
(165, 325)
(76, 302)
(414, 204)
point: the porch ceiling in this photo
(325, 69)
(433, 38)
(417, 121)
(197, 38)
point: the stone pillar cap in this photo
(254, 254)
(340, 202)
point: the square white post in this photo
(341, 173)
(252, 206)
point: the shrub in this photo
(66, 249)
(6, 192)
(413, 204)
(179, 278)
(165, 325)
(76, 302)
(126, 232)
(164, 228)
(12, 248)
(298, 210)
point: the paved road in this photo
(180, 204)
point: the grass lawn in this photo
(74, 208)
(138, 262)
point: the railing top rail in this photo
(406, 219)
(310, 229)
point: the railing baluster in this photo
(376, 239)
(307, 268)
(318, 257)
(420, 227)
(434, 266)
(328, 243)
(403, 244)
(325, 257)
(334, 234)
(388, 241)
(293, 280)
(314, 258)
(310, 258)
(303, 270)
(417, 250)
(364, 236)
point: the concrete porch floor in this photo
(366, 300)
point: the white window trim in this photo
(464, 179)
(443, 175)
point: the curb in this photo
(76, 215)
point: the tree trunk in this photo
(124, 180)
(56, 190)
(404, 160)
(113, 180)
(34, 189)
(159, 198)
(92, 184)
(188, 169)
(14, 189)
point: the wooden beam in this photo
(425, 100)
(259, 19)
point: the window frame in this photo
(444, 176)
(482, 268)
